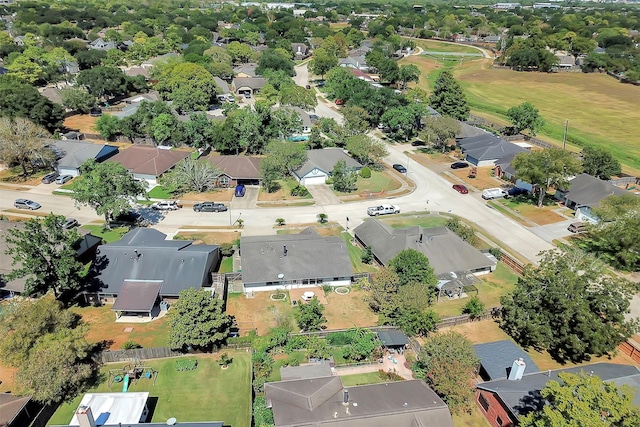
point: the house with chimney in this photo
(287, 261)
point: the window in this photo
(499, 421)
(224, 180)
(483, 402)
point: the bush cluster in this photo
(186, 364)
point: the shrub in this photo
(367, 255)
(292, 360)
(496, 252)
(280, 221)
(186, 364)
(130, 345)
(225, 360)
(327, 289)
(365, 172)
(474, 308)
(226, 249)
(262, 416)
(299, 191)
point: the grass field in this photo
(600, 110)
(107, 235)
(208, 393)
(361, 379)
(379, 181)
(437, 46)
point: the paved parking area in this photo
(323, 195)
(249, 199)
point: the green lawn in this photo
(361, 379)
(226, 266)
(208, 393)
(355, 255)
(107, 235)
(437, 46)
(159, 192)
(379, 181)
(411, 220)
(300, 356)
(493, 286)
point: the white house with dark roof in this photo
(72, 154)
(487, 149)
(320, 164)
(294, 261)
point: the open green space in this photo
(411, 220)
(438, 46)
(226, 266)
(361, 379)
(379, 181)
(355, 255)
(108, 236)
(208, 393)
(494, 285)
(159, 192)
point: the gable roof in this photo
(309, 256)
(74, 153)
(467, 131)
(222, 85)
(248, 69)
(445, 250)
(498, 356)
(490, 149)
(316, 370)
(325, 159)
(250, 82)
(523, 396)
(237, 167)
(148, 160)
(587, 190)
(392, 337)
(319, 401)
(143, 254)
(11, 406)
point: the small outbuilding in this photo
(393, 339)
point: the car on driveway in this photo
(247, 95)
(69, 223)
(166, 205)
(50, 177)
(63, 179)
(459, 165)
(382, 210)
(400, 168)
(209, 207)
(577, 227)
(26, 204)
(460, 188)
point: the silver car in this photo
(26, 204)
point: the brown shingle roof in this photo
(237, 167)
(147, 160)
(10, 407)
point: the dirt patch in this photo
(224, 195)
(260, 312)
(483, 179)
(103, 326)
(81, 122)
(212, 237)
(7, 380)
(296, 295)
(346, 311)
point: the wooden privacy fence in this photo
(109, 356)
(492, 313)
(631, 349)
(512, 263)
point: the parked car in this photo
(400, 168)
(26, 204)
(166, 205)
(129, 218)
(320, 83)
(339, 102)
(247, 95)
(493, 193)
(460, 189)
(69, 223)
(516, 191)
(418, 143)
(50, 177)
(382, 210)
(459, 165)
(577, 227)
(307, 87)
(95, 112)
(240, 190)
(63, 179)
(209, 207)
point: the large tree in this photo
(569, 306)
(584, 400)
(198, 320)
(438, 131)
(412, 266)
(448, 363)
(48, 347)
(103, 82)
(448, 97)
(197, 176)
(322, 62)
(106, 187)
(190, 86)
(23, 100)
(309, 315)
(546, 168)
(297, 96)
(78, 99)
(344, 179)
(45, 255)
(407, 74)
(525, 116)
(356, 120)
(21, 142)
(599, 162)
(366, 150)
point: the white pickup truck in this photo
(493, 193)
(382, 210)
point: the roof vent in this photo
(172, 421)
(405, 404)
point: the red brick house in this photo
(237, 170)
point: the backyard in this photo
(208, 393)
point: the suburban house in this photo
(85, 249)
(71, 154)
(300, 50)
(142, 267)
(294, 261)
(585, 192)
(16, 411)
(320, 163)
(504, 400)
(455, 262)
(134, 102)
(102, 44)
(69, 67)
(304, 117)
(359, 63)
(487, 149)
(122, 410)
(496, 359)
(236, 170)
(359, 74)
(52, 94)
(325, 401)
(222, 86)
(148, 163)
(248, 84)
(246, 70)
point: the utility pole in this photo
(564, 138)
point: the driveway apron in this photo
(323, 195)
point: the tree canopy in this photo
(197, 320)
(448, 98)
(525, 116)
(569, 306)
(412, 266)
(599, 162)
(190, 86)
(309, 315)
(23, 144)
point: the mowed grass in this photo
(208, 393)
(108, 236)
(438, 46)
(361, 379)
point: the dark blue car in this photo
(240, 190)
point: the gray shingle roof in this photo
(75, 153)
(523, 396)
(238, 167)
(325, 159)
(137, 296)
(587, 190)
(222, 85)
(309, 256)
(496, 357)
(445, 250)
(392, 338)
(318, 402)
(492, 150)
(317, 370)
(249, 82)
(177, 263)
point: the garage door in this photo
(314, 180)
(67, 171)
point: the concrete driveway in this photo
(554, 231)
(249, 199)
(323, 195)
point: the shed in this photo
(393, 338)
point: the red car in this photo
(339, 102)
(460, 189)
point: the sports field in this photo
(600, 110)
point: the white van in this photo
(493, 193)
